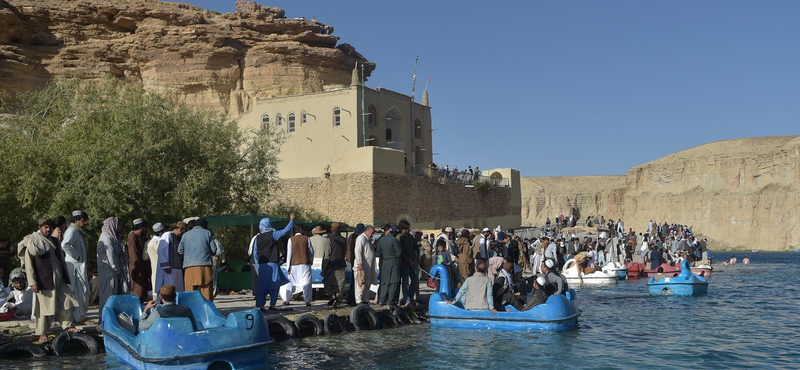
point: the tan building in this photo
(326, 131)
(357, 154)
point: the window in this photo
(417, 129)
(278, 119)
(372, 115)
(302, 117)
(264, 121)
(337, 116)
(291, 122)
(388, 135)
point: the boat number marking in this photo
(250, 321)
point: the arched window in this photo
(291, 122)
(337, 116)
(264, 121)
(372, 116)
(388, 134)
(302, 117)
(417, 129)
(279, 119)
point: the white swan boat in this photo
(600, 277)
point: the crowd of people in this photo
(445, 174)
(58, 280)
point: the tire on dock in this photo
(309, 325)
(333, 324)
(363, 317)
(402, 316)
(21, 351)
(74, 344)
(388, 320)
(281, 328)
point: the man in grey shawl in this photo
(74, 245)
(47, 276)
(111, 271)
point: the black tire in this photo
(402, 316)
(309, 325)
(74, 344)
(363, 317)
(333, 324)
(388, 320)
(281, 328)
(414, 317)
(21, 350)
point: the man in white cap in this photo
(300, 256)
(74, 245)
(151, 254)
(449, 235)
(555, 283)
(480, 247)
(538, 296)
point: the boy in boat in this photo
(168, 309)
(477, 291)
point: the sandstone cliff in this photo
(739, 193)
(212, 60)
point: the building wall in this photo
(316, 147)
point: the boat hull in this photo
(559, 313)
(600, 277)
(253, 358)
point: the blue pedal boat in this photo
(239, 341)
(559, 313)
(686, 283)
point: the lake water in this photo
(750, 318)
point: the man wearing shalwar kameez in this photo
(390, 250)
(139, 268)
(300, 256)
(198, 247)
(151, 255)
(365, 272)
(48, 278)
(74, 246)
(264, 258)
(110, 268)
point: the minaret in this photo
(354, 81)
(425, 98)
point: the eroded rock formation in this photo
(739, 193)
(212, 60)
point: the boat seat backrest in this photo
(205, 313)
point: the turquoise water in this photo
(750, 318)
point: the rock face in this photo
(739, 193)
(217, 61)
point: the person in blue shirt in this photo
(264, 257)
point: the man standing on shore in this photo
(409, 277)
(300, 256)
(365, 274)
(390, 251)
(47, 276)
(139, 268)
(74, 246)
(197, 247)
(334, 266)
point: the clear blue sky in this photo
(562, 88)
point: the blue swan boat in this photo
(236, 342)
(686, 283)
(559, 313)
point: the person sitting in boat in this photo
(655, 257)
(538, 296)
(659, 273)
(477, 291)
(746, 260)
(168, 309)
(503, 288)
(555, 283)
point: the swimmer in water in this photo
(746, 260)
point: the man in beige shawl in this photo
(48, 278)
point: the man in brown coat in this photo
(300, 256)
(138, 267)
(465, 257)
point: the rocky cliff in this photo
(212, 60)
(739, 193)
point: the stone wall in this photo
(739, 193)
(387, 198)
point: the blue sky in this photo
(564, 88)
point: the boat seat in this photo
(126, 322)
(205, 313)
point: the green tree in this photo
(113, 149)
